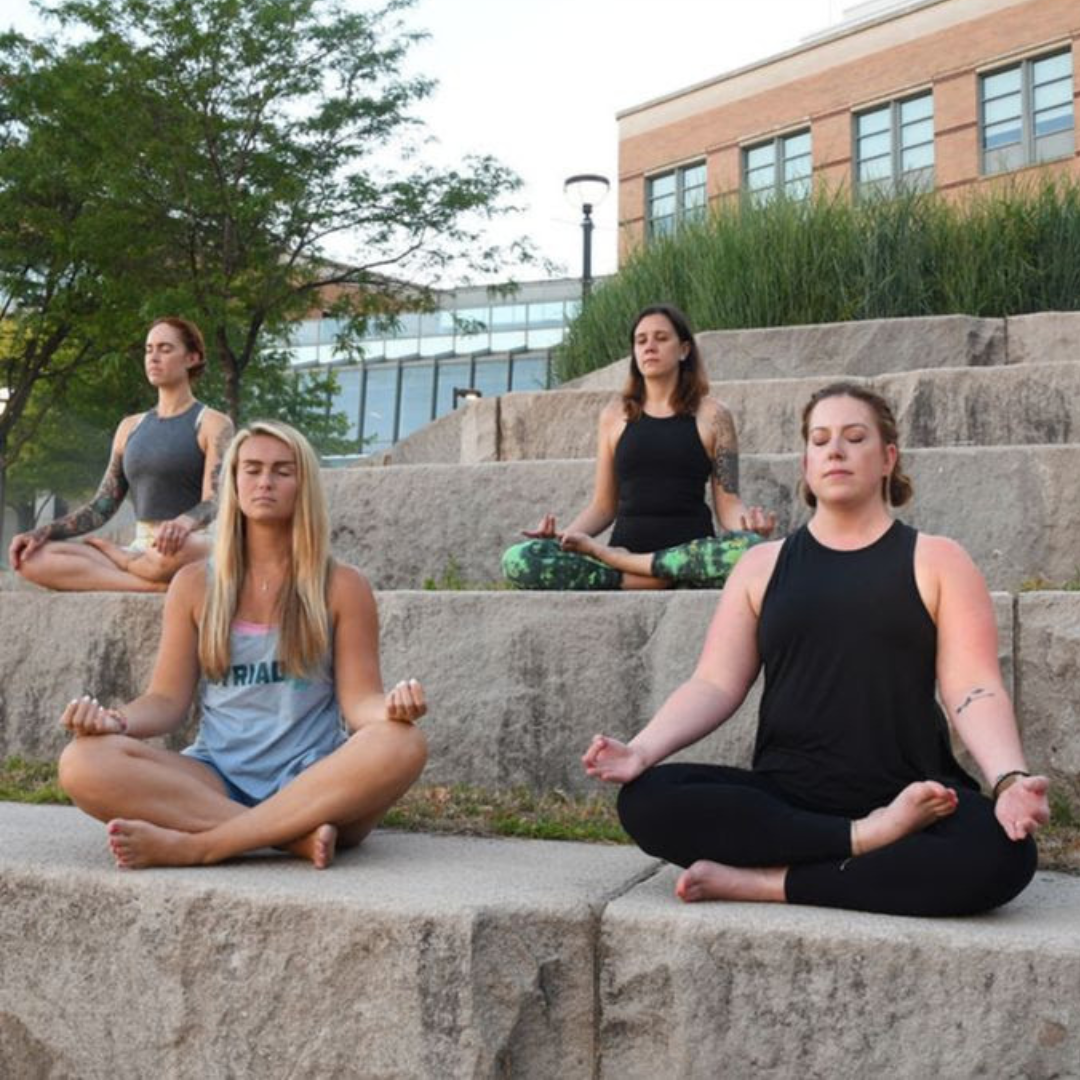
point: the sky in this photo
(538, 83)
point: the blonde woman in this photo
(168, 459)
(298, 745)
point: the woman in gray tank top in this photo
(168, 459)
(299, 747)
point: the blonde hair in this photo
(304, 636)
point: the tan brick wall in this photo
(805, 88)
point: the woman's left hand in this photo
(169, 536)
(405, 702)
(754, 519)
(1022, 807)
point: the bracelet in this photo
(1006, 780)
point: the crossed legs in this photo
(99, 565)
(931, 851)
(164, 809)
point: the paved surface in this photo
(420, 956)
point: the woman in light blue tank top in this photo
(168, 459)
(299, 747)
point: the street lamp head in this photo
(586, 190)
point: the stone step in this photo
(1016, 509)
(420, 956)
(998, 406)
(872, 347)
(518, 682)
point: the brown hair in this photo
(693, 384)
(896, 488)
(192, 338)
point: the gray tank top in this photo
(260, 727)
(163, 464)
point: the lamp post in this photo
(586, 190)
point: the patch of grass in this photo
(1038, 583)
(472, 811)
(453, 580)
(465, 810)
(30, 782)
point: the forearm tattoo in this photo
(110, 494)
(203, 513)
(725, 452)
(974, 695)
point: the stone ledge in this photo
(413, 956)
(768, 991)
(864, 347)
(518, 682)
(420, 956)
(1016, 509)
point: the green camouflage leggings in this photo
(699, 564)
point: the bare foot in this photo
(319, 846)
(117, 555)
(706, 880)
(918, 805)
(138, 844)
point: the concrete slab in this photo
(1016, 509)
(867, 347)
(747, 990)
(1043, 337)
(518, 682)
(1048, 674)
(413, 956)
(997, 406)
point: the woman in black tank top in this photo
(657, 449)
(168, 459)
(855, 799)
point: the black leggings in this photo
(960, 865)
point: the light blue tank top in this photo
(260, 727)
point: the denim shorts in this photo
(237, 794)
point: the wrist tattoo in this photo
(974, 695)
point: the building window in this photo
(894, 146)
(781, 166)
(674, 198)
(1026, 113)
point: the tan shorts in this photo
(144, 535)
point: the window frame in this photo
(780, 183)
(1028, 138)
(682, 213)
(898, 177)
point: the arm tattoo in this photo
(725, 452)
(110, 494)
(203, 513)
(974, 695)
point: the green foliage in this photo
(240, 164)
(453, 580)
(1011, 250)
(29, 782)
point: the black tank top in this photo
(848, 716)
(661, 468)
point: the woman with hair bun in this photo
(657, 449)
(298, 747)
(854, 799)
(168, 459)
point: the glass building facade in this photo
(478, 339)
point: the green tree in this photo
(248, 139)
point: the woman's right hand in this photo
(544, 531)
(613, 761)
(23, 546)
(84, 716)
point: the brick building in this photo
(941, 94)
